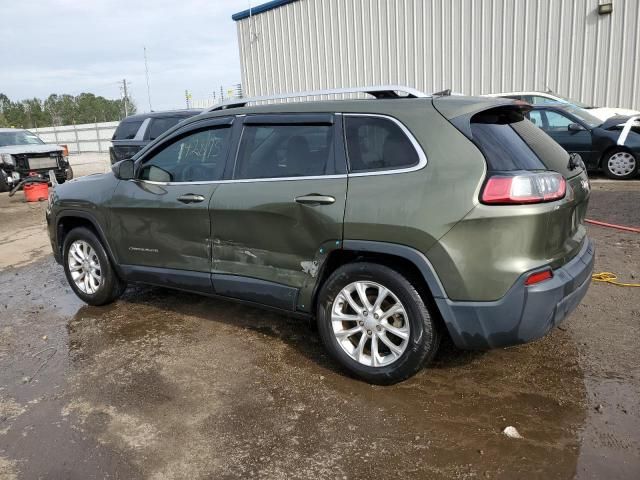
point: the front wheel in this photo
(88, 269)
(374, 322)
(620, 165)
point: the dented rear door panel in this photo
(261, 232)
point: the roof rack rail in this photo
(379, 91)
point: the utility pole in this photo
(125, 97)
(146, 68)
(187, 97)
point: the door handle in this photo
(191, 198)
(315, 199)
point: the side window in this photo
(161, 125)
(127, 130)
(196, 157)
(539, 100)
(272, 151)
(557, 122)
(375, 143)
(535, 116)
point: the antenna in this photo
(146, 69)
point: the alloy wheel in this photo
(370, 323)
(84, 266)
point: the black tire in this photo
(111, 286)
(4, 185)
(424, 335)
(614, 172)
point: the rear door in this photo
(281, 211)
(161, 219)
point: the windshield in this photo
(584, 116)
(572, 101)
(19, 137)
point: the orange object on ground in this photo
(34, 192)
(612, 225)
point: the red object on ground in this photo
(612, 225)
(34, 192)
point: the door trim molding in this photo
(255, 290)
(188, 280)
(248, 289)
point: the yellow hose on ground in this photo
(608, 277)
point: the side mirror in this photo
(575, 127)
(124, 169)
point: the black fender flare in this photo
(422, 263)
(96, 225)
(414, 256)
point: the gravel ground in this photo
(165, 385)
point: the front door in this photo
(161, 219)
(282, 212)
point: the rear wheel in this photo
(374, 322)
(88, 269)
(620, 164)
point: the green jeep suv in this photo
(391, 220)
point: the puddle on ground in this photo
(165, 384)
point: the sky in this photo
(75, 46)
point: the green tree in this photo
(61, 110)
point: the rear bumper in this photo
(525, 313)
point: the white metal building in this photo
(471, 46)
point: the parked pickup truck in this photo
(23, 153)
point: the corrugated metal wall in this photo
(471, 46)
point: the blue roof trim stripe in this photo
(260, 9)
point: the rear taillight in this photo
(523, 188)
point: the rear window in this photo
(548, 150)
(495, 132)
(161, 125)
(127, 130)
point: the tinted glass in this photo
(127, 130)
(494, 133)
(161, 125)
(197, 157)
(552, 155)
(375, 143)
(271, 151)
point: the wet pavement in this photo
(164, 384)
